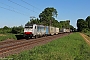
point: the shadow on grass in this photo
(19, 37)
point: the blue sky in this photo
(12, 14)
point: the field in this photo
(71, 47)
(7, 36)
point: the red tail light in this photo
(28, 32)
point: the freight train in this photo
(34, 30)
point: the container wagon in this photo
(56, 30)
(50, 30)
(63, 30)
(67, 30)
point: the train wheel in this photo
(31, 37)
(35, 36)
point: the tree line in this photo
(83, 25)
(14, 30)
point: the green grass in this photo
(72, 47)
(88, 33)
(7, 36)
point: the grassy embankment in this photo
(72, 47)
(88, 33)
(7, 36)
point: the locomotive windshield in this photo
(29, 27)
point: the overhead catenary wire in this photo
(14, 9)
(22, 6)
(6, 5)
(33, 7)
(30, 4)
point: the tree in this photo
(34, 21)
(71, 28)
(5, 27)
(75, 30)
(55, 23)
(65, 24)
(17, 30)
(81, 24)
(47, 16)
(88, 21)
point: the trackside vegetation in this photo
(71, 47)
(87, 33)
(7, 36)
(10, 32)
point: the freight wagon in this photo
(50, 30)
(56, 30)
(63, 30)
(67, 30)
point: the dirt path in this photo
(86, 38)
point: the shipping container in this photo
(56, 30)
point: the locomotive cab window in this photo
(29, 27)
(35, 27)
(26, 27)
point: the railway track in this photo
(12, 47)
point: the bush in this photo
(17, 30)
(85, 30)
(5, 29)
(14, 30)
